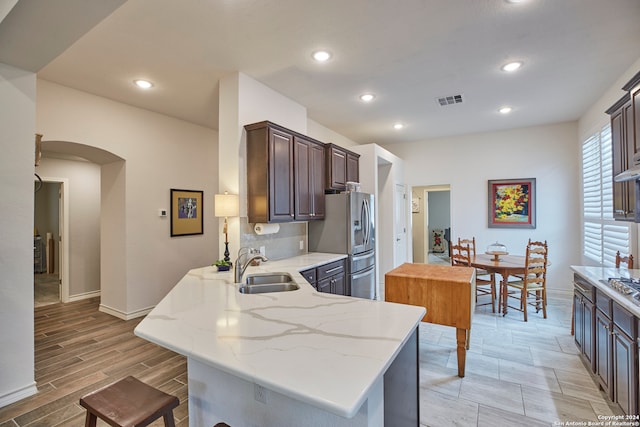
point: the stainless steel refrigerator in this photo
(348, 228)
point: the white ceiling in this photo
(407, 52)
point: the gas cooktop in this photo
(626, 286)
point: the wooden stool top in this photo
(129, 402)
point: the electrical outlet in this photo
(263, 251)
(302, 245)
(260, 393)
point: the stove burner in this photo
(624, 285)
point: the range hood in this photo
(631, 174)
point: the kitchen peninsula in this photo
(606, 311)
(289, 358)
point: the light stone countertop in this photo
(594, 275)
(325, 350)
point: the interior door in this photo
(400, 226)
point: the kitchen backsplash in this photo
(283, 244)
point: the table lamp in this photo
(226, 205)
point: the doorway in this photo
(48, 259)
(431, 224)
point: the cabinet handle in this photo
(334, 269)
(581, 289)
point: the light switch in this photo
(162, 213)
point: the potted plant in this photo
(222, 265)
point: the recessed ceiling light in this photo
(321, 55)
(511, 66)
(515, 1)
(367, 97)
(398, 126)
(143, 84)
(505, 110)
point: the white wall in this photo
(17, 121)
(84, 218)
(548, 153)
(140, 261)
(322, 133)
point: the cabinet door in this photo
(635, 121)
(619, 153)
(588, 347)
(324, 285)
(309, 275)
(309, 179)
(304, 180)
(281, 176)
(631, 149)
(336, 168)
(603, 351)
(339, 284)
(624, 373)
(578, 321)
(318, 179)
(353, 167)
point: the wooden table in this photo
(506, 265)
(448, 293)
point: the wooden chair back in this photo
(628, 259)
(469, 242)
(536, 263)
(460, 256)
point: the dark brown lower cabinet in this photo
(603, 351)
(583, 318)
(607, 336)
(624, 371)
(330, 278)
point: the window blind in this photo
(602, 235)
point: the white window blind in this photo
(602, 236)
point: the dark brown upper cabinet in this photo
(342, 167)
(270, 173)
(625, 141)
(309, 178)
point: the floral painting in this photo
(512, 203)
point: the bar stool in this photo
(129, 403)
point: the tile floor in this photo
(45, 289)
(517, 373)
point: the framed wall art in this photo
(512, 203)
(186, 212)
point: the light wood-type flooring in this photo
(517, 373)
(79, 349)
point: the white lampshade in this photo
(226, 205)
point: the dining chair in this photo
(628, 259)
(485, 281)
(531, 287)
(460, 256)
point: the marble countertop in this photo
(323, 349)
(595, 274)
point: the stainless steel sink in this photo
(268, 278)
(268, 287)
(268, 282)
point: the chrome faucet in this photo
(239, 269)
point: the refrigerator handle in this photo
(368, 222)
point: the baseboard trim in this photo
(85, 295)
(124, 315)
(18, 394)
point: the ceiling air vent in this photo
(443, 101)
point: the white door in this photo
(400, 225)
